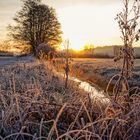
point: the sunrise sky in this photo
(83, 21)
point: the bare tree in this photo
(36, 23)
(128, 24)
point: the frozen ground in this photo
(28, 72)
(99, 71)
(12, 60)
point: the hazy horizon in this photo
(83, 21)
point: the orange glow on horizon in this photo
(90, 24)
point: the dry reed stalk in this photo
(54, 127)
(128, 22)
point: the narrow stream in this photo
(95, 93)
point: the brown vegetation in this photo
(35, 105)
(37, 102)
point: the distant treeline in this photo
(95, 52)
(102, 52)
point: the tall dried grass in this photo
(35, 105)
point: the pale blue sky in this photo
(83, 21)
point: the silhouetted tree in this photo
(36, 23)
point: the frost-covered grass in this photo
(100, 71)
(35, 105)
